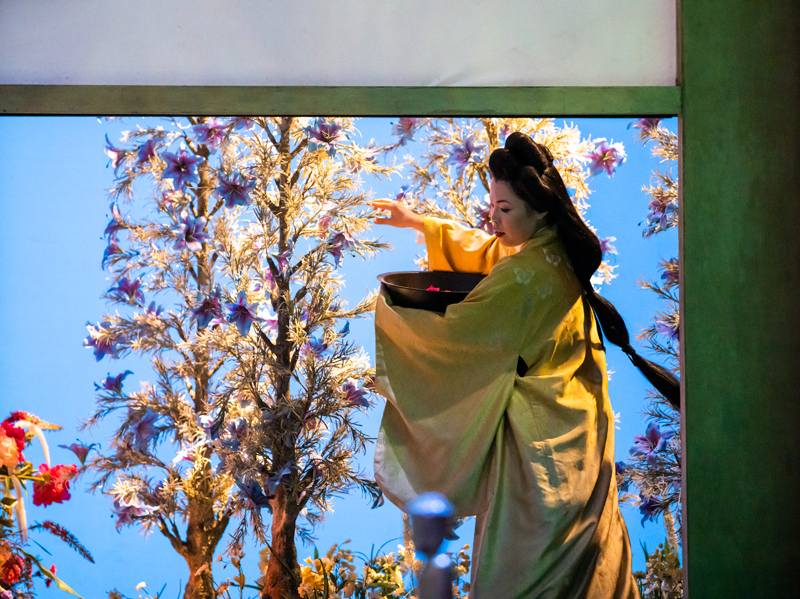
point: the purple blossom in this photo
(649, 507)
(252, 491)
(117, 155)
(404, 128)
(605, 157)
(144, 429)
(669, 327)
(208, 308)
(211, 425)
(103, 340)
(315, 347)
(647, 127)
(606, 246)
(211, 133)
(269, 284)
(323, 223)
(324, 134)
(241, 314)
(270, 322)
(111, 250)
(126, 509)
(503, 132)
(116, 223)
(242, 123)
(113, 383)
(621, 469)
(340, 242)
(188, 454)
(354, 394)
(152, 311)
(80, 450)
(238, 428)
(652, 441)
(150, 318)
(405, 195)
(485, 218)
(325, 213)
(189, 233)
(671, 274)
(661, 212)
(461, 155)
(181, 168)
(127, 291)
(146, 151)
(282, 260)
(372, 151)
(275, 479)
(235, 189)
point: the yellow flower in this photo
(311, 578)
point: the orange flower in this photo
(12, 570)
(12, 442)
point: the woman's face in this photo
(513, 219)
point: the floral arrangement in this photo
(19, 567)
(224, 275)
(335, 574)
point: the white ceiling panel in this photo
(341, 42)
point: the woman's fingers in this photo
(399, 215)
(387, 205)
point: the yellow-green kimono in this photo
(532, 456)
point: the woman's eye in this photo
(504, 209)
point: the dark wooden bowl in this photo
(411, 289)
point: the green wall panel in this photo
(741, 268)
(357, 101)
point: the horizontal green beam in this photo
(97, 100)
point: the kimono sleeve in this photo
(448, 380)
(452, 247)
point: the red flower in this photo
(12, 570)
(16, 416)
(15, 433)
(55, 486)
(49, 580)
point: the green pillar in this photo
(741, 258)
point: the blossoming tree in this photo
(255, 385)
(655, 464)
(451, 179)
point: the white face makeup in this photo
(513, 219)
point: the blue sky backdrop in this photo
(53, 210)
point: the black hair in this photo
(528, 168)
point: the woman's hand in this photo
(399, 215)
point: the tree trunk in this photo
(203, 533)
(283, 571)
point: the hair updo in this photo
(528, 168)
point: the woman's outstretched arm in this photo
(450, 245)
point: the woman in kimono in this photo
(501, 403)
